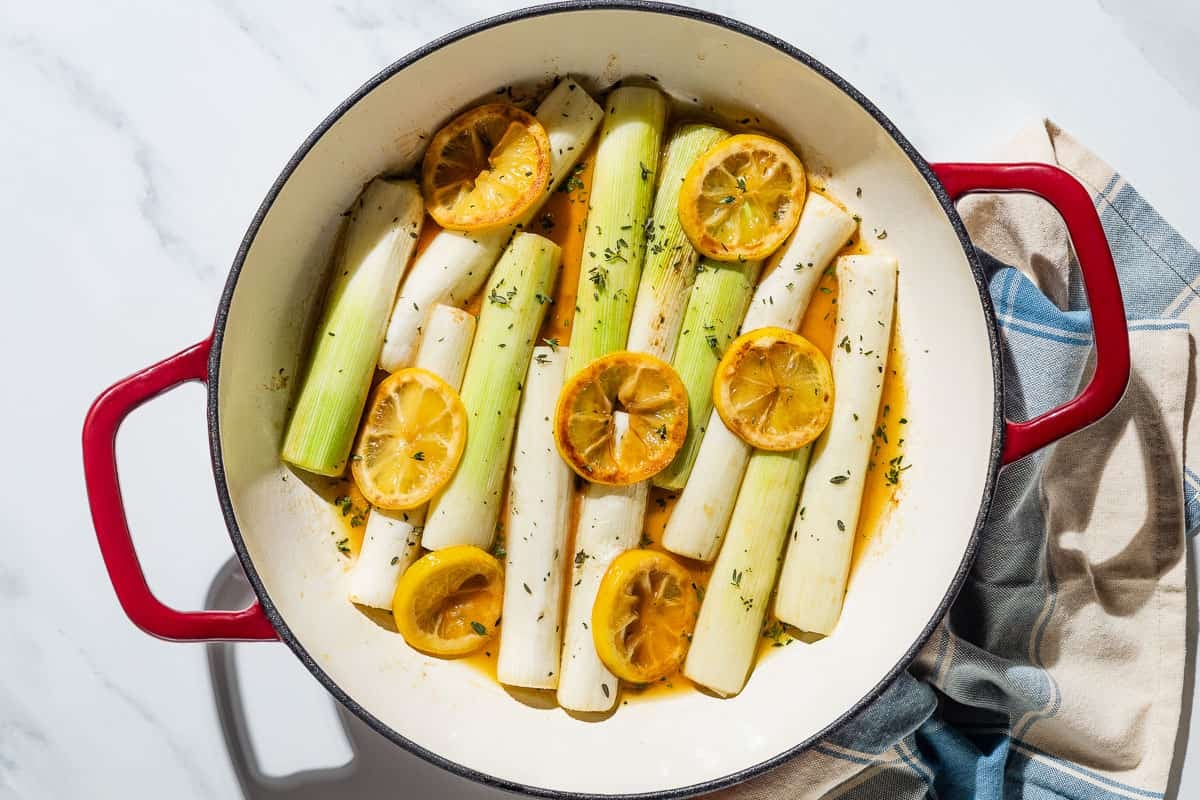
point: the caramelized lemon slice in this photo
(412, 438)
(643, 616)
(774, 389)
(742, 198)
(485, 168)
(448, 603)
(622, 418)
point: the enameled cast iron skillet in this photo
(683, 744)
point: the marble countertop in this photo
(139, 138)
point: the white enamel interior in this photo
(450, 709)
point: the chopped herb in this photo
(895, 467)
(598, 276)
(419, 455)
(882, 234)
(343, 546)
(573, 180)
(645, 171)
(580, 557)
(604, 688)
(395, 560)
(845, 343)
(837, 479)
(502, 299)
(527, 589)
(727, 199)
(841, 525)
(776, 632)
(478, 628)
(552, 343)
(662, 431)
(736, 578)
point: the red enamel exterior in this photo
(1073, 202)
(108, 511)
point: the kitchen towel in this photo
(1059, 671)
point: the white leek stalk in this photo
(378, 243)
(456, 263)
(813, 583)
(391, 543)
(539, 510)
(447, 344)
(614, 243)
(392, 539)
(715, 309)
(610, 522)
(701, 515)
(610, 517)
(467, 509)
(670, 266)
(783, 295)
(731, 616)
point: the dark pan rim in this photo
(222, 316)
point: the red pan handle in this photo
(1073, 202)
(108, 511)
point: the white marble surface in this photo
(136, 141)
